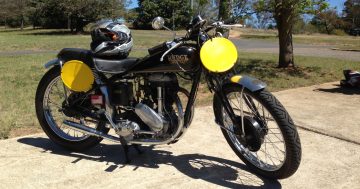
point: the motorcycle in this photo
(82, 97)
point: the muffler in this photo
(150, 117)
(89, 131)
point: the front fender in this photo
(250, 83)
(54, 62)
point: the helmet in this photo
(111, 39)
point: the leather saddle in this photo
(105, 65)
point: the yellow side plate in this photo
(77, 76)
(218, 55)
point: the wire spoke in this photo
(271, 155)
(53, 100)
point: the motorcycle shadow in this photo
(212, 169)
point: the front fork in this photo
(230, 112)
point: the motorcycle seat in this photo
(83, 55)
(105, 65)
(114, 66)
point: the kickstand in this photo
(126, 149)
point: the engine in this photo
(150, 109)
(122, 94)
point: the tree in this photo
(352, 13)
(73, 14)
(327, 21)
(5, 12)
(285, 12)
(175, 12)
(80, 13)
(205, 8)
(224, 9)
(263, 19)
(15, 11)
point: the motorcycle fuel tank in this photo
(182, 59)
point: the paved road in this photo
(252, 45)
(202, 159)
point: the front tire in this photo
(284, 139)
(50, 123)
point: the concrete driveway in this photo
(202, 159)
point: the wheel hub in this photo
(70, 111)
(254, 133)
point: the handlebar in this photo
(194, 31)
(172, 48)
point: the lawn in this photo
(53, 40)
(341, 42)
(20, 74)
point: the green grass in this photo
(18, 81)
(342, 42)
(308, 71)
(20, 74)
(54, 40)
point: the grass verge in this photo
(54, 40)
(342, 42)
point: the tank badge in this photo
(178, 59)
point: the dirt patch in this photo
(234, 34)
(22, 131)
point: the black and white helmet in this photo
(111, 39)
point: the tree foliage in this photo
(352, 13)
(13, 12)
(74, 14)
(327, 21)
(205, 8)
(171, 10)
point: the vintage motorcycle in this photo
(83, 96)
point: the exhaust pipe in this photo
(150, 117)
(90, 131)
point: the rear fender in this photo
(54, 62)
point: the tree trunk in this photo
(284, 20)
(69, 23)
(224, 9)
(22, 23)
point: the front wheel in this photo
(271, 144)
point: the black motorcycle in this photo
(143, 102)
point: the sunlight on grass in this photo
(18, 81)
(342, 42)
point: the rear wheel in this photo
(49, 99)
(271, 145)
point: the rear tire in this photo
(291, 140)
(73, 145)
